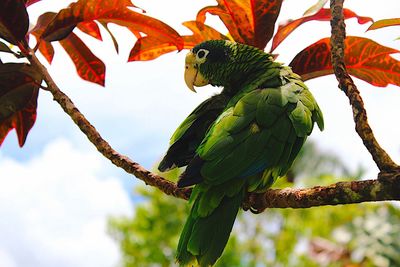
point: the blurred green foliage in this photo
(366, 234)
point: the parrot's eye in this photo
(201, 54)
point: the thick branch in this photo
(102, 145)
(338, 34)
(335, 194)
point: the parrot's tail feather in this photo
(192, 175)
(205, 238)
(165, 165)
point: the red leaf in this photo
(88, 66)
(42, 22)
(30, 2)
(384, 23)
(323, 14)
(90, 28)
(14, 21)
(19, 88)
(45, 48)
(364, 59)
(109, 11)
(148, 48)
(251, 22)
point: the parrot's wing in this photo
(191, 132)
(263, 131)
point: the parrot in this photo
(236, 142)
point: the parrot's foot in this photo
(247, 204)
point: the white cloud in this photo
(53, 209)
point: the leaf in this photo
(14, 21)
(105, 25)
(315, 8)
(88, 66)
(248, 21)
(19, 88)
(90, 28)
(5, 48)
(45, 48)
(148, 48)
(323, 14)
(30, 2)
(364, 59)
(384, 23)
(109, 12)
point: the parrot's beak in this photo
(192, 75)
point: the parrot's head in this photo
(221, 63)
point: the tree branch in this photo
(335, 194)
(102, 145)
(338, 34)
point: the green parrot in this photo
(238, 141)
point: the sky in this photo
(58, 191)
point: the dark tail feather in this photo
(192, 174)
(205, 238)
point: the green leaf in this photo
(315, 8)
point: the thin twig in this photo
(338, 34)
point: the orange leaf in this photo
(19, 88)
(45, 48)
(105, 25)
(109, 11)
(148, 48)
(364, 59)
(323, 14)
(90, 28)
(88, 66)
(248, 21)
(384, 23)
(14, 20)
